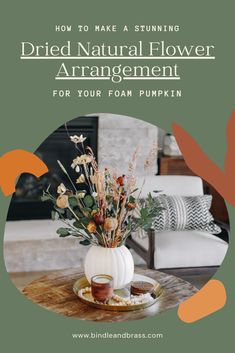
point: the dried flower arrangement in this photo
(106, 212)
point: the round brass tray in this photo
(87, 298)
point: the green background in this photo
(29, 114)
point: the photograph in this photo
(119, 228)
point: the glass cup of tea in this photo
(102, 288)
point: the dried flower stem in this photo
(66, 173)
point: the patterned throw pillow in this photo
(185, 212)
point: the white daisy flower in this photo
(77, 139)
(61, 189)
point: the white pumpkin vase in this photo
(116, 262)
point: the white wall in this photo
(118, 138)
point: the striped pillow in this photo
(185, 212)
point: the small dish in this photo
(121, 298)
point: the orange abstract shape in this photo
(15, 162)
(200, 164)
(211, 298)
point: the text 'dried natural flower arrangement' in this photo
(101, 207)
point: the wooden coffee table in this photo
(55, 292)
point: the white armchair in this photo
(178, 249)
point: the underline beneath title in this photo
(124, 78)
(117, 57)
